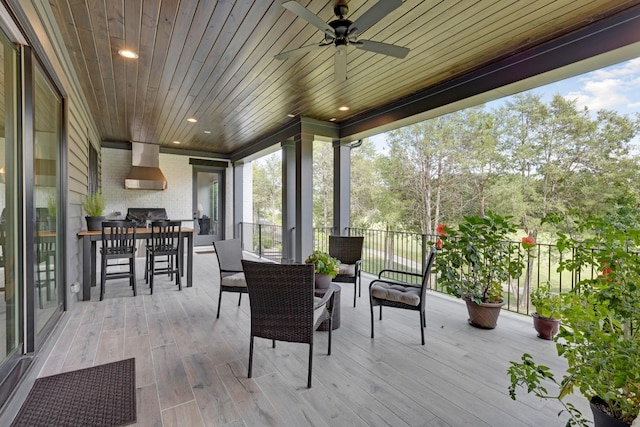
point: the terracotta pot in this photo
(601, 418)
(94, 223)
(484, 315)
(323, 281)
(545, 326)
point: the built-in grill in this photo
(143, 215)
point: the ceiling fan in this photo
(342, 32)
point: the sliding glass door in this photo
(47, 136)
(10, 201)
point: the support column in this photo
(238, 199)
(341, 188)
(304, 196)
(288, 201)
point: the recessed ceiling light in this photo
(207, 132)
(176, 142)
(192, 120)
(127, 53)
(332, 119)
(291, 115)
(343, 108)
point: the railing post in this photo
(424, 252)
(260, 240)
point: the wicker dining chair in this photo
(229, 255)
(348, 249)
(390, 292)
(283, 305)
(118, 242)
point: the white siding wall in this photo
(177, 199)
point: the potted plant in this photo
(546, 318)
(51, 210)
(326, 267)
(600, 331)
(94, 205)
(474, 262)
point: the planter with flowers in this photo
(600, 331)
(326, 268)
(476, 260)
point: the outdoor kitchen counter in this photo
(89, 266)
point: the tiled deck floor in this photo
(191, 368)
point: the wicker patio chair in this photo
(118, 242)
(229, 255)
(349, 251)
(400, 294)
(283, 306)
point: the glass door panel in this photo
(10, 200)
(207, 202)
(47, 119)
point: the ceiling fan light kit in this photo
(342, 32)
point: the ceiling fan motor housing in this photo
(341, 28)
(341, 9)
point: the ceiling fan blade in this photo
(299, 51)
(373, 15)
(312, 19)
(340, 66)
(383, 48)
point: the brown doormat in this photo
(102, 395)
(211, 251)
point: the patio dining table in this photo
(89, 266)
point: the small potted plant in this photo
(600, 330)
(326, 267)
(474, 262)
(546, 319)
(94, 205)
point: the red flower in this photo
(439, 244)
(528, 242)
(440, 229)
(605, 268)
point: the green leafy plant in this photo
(94, 204)
(600, 332)
(324, 263)
(476, 259)
(51, 205)
(547, 304)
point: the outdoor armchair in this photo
(349, 251)
(283, 305)
(389, 292)
(229, 255)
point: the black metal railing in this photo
(407, 251)
(263, 240)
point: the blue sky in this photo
(616, 87)
(613, 88)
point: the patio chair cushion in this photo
(236, 280)
(347, 270)
(317, 311)
(409, 295)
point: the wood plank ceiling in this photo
(214, 60)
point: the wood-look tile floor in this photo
(191, 368)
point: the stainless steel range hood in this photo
(145, 173)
